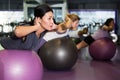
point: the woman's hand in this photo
(68, 22)
(67, 18)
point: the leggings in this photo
(89, 40)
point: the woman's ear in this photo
(37, 20)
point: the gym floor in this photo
(88, 69)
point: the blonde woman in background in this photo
(70, 23)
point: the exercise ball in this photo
(58, 54)
(102, 49)
(20, 65)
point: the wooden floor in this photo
(88, 69)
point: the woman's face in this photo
(75, 25)
(47, 22)
(112, 23)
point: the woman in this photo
(104, 31)
(30, 37)
(63, 29)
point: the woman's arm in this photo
(21, 31)
(67, 22)
(107, 28)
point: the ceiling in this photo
(72, 4)
(75, 3)
(82, 1)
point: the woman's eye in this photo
(49, 18)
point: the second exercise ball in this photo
(58, 54)
(102, 49)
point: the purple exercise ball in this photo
(20, 65)
(102, 49)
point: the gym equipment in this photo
(20, 65)
(58, 54)
(102, 49)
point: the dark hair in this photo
(41, 9)
(108, 21)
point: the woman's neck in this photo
(39, 31)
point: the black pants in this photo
(89, 40)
